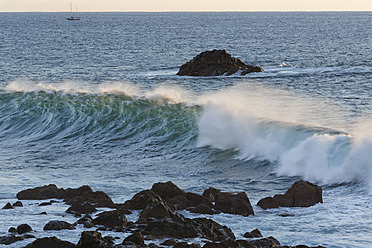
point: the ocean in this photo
(97, 102)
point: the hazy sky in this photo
(187, 5)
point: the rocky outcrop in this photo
(215, 63)
(233, 203)
(111, 219)
(300, 194)
(23, 228)
(50, 242)
(58, 225)
(93, 239)
(81, 194)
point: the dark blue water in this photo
(98, 102)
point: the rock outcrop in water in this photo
(300, 194)
(159, 218)
(215, 63)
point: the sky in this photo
(185, 5)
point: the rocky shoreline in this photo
(159, 217)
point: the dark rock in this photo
(215, 63)
(167, 190)
(8, 206)
(45, 204)
(223, 244)
(265, 242)
(211, 194)
(81, 208)
(234, 203)
(12, 230)
(136, 238)
(196, 199)
(253, 234)
(42, 213)
(139, 200)
(300, 194)
(111, 219)
(203, 209)
(23, 228)
(178, 202)
(87, 221)
(169, 242)
(213, 231)
(92, 239)
(58, 225)
(50, 242)
(10, 239)
(186, 245)
(18, 204)
(157, 209)
(245, 244)
(98, 198)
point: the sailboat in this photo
(73, 18)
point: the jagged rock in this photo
(215, 63)
(139, 200)
(93, 239)
(18, 204)
(265, 242)
(300, 194)
(196, 199)
(136, 238)
(234, 203)
(157, 209)
(211, 193)
(213, 231)
(50, 242)
(98, 198)
(8, 206)
(23, 228)
(58, 225)
(178, 202)
(167, 190)
(253, 234)
(203, 209)
(81, 208)
(111, 219)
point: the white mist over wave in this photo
(275, 125)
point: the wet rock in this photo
(18, 204)
(50, 242)
(196, 200)
(212, 230)
(42, 213)
(139, 200)
(23, 228)
(81, 208)
(8, 206)
(10, 239)
(215, 63)
(253, 234)
(203, 209)
(186, 245)
(300, 194)
(45, 204)
(157, 209)
(265, 242)
(86, 221)
(12, 230)
(111, 219)
(211, 193)
(167, 190)
(98, 198)
(58, 225)
(233, 203)
(169, 242)
(224, 244)
(178, 202)
(92, 239)
(136, 238)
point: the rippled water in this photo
(98, 102)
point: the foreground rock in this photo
(70, 196)
(300, 194)
(215, 63)
(58, 225)
(234, 203)
(50, 242)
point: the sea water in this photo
(98, 102)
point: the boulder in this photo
(203, 209)
(233, 203)
(167, 190)
(196, 199)
(253, 234)
(93, 239)
(225, 244)
(169, 242)
(58, 225)
(10, 239)
(211, 193)
(50, 242)
(178, 202)
(86, 221)
(98, 198)
(186, 245)
(81, 208)
(213, 231)
(18, 204)
(135, 238)
(215, 63)
(8, 206)
(157, 209)
(111, 219)
(139, 200)
(265, 242)
(23, 228)
(300, 194)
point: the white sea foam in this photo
(278, 126)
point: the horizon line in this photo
(172, 11)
